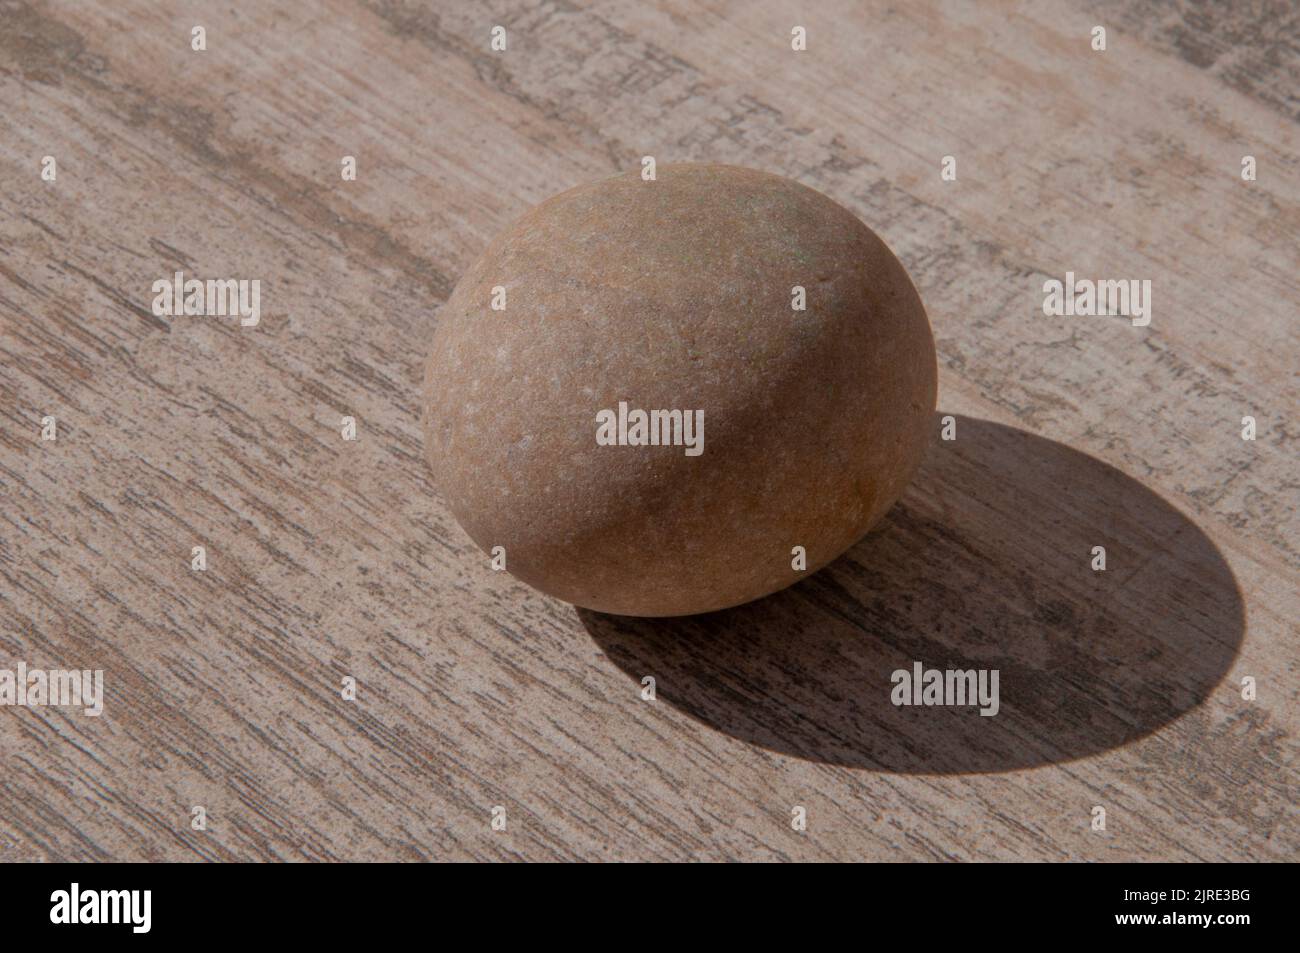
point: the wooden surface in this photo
(329, 558)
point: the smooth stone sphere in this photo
(678, 293)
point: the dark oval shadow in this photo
(984, 564)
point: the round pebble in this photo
(666, 396)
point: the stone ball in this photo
(656, 394)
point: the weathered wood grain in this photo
(329, 558)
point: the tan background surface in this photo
(329, 558)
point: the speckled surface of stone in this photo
(678, 294)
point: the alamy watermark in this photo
(215, 297)
(74, 688)
(655, 428)
(934, 686)
(1129, 297)
(131, 907)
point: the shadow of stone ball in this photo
(986, 563)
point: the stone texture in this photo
(677, 294)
